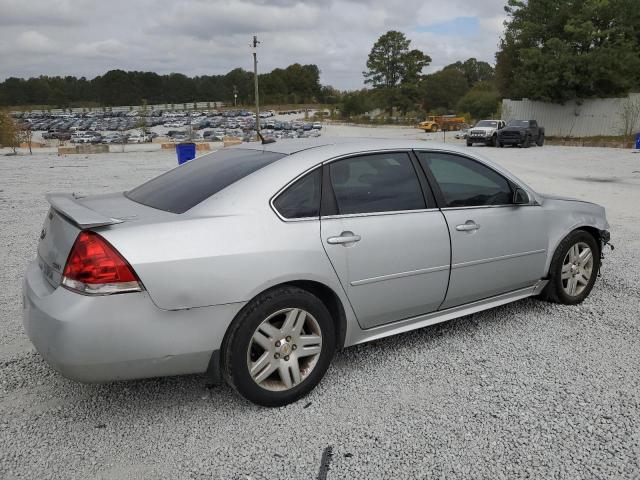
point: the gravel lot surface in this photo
(528, 390)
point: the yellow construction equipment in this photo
(445, 123)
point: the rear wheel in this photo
(573, 269)
(279, 347)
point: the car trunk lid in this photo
(70, 214)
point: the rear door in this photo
(388, 244)
(496, 246)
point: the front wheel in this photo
(540, 140)
(573, 269)
(469, 143)
(279, 347)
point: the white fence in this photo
(588, 118)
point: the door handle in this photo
(468, 226)
(345, 237)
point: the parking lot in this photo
(527, 390)
(54, 129)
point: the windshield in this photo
(184, 187)
(518, 123)
(487, 123)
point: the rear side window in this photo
(184, 187)
(302, 198)
(384, 182)
(465, 182)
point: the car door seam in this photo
(446, 292)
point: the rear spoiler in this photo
(69, 206)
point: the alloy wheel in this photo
(577, 269)
(284, 349)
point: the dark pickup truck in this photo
(521, 133)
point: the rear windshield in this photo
(184, 187)
(518, 123)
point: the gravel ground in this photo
(527, 390)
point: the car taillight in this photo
(95, 267)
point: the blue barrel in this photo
(186, 152)
(638, 140)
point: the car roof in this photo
(345, 145)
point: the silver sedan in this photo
(256, 263)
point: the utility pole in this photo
(255, 78)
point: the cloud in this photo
(35, 13)
(34, 42)
(102, 48)
(206, 20)
(198, 37)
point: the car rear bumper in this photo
(118, 337)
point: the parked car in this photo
(114, 138)
(485, 131)
(82, 138)
(521, 133)
(461, 134)
(62, 136)
(177, 276)
(139, 138)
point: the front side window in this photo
(302, 198)
(383, 182)
(465, 182)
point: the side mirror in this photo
(520, 197)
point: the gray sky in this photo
(196, 37)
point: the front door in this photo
(390, 250)
(497, 247)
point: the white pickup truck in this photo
(485, 131)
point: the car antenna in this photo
(265, 141)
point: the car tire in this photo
(469, 144)
(276, 360)
(570, 284)
(527, 142)
(499, 144)
(540, 140)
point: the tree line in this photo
(293, 84)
